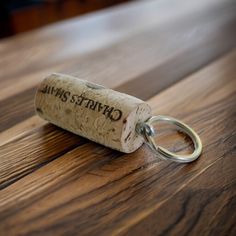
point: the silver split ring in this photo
(147, 131)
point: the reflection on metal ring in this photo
(147, 131)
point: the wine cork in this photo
(92, 111)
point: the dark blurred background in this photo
(18, 16)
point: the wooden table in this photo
(177, 55)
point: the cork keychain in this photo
(105, 116)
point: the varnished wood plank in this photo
(16, 108)
(59, 42)
(206, 206)
(165, 56)
(32, 150)
(21, 128)
(117, 196)
(156, 44)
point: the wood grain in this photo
(62, 41)
(32, 150)
(20, 128)
(91, 191)
(182, 59)
(169, 55)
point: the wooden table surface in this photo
(180, 56)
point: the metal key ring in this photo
(147, 131)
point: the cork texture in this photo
(92, 111)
